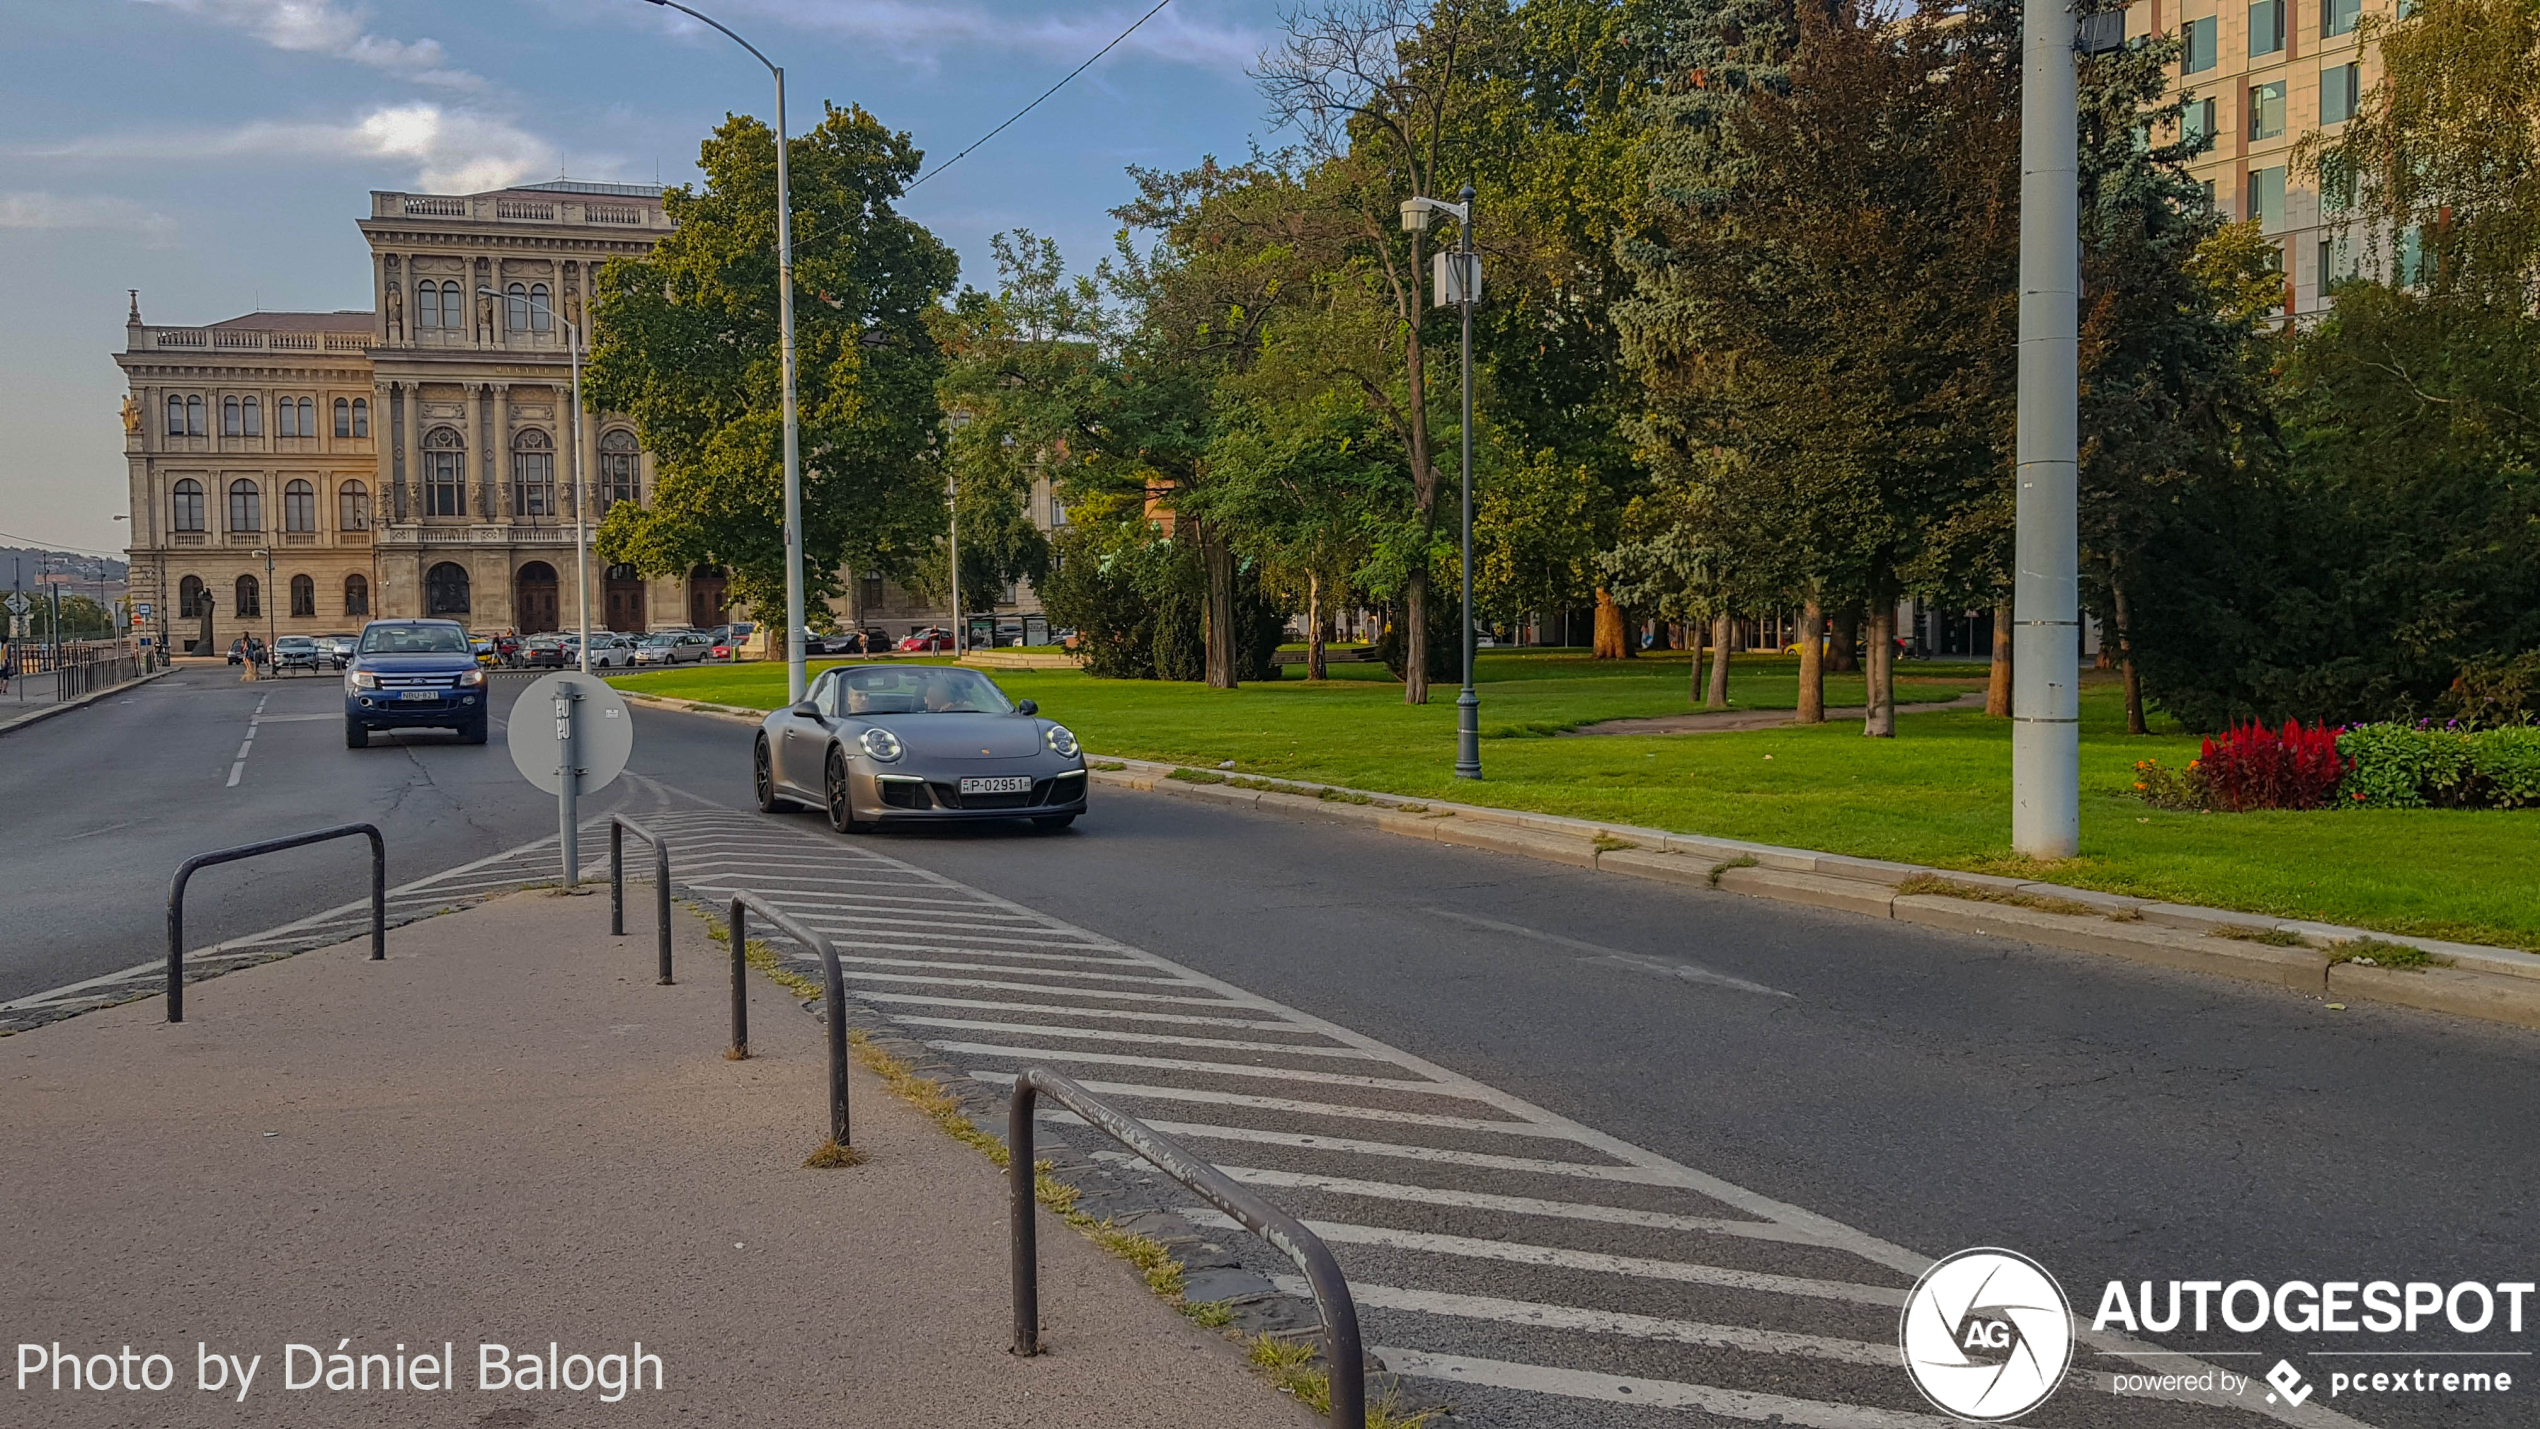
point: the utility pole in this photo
(2046, 600)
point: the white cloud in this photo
(447, 150)
(323, 27)
(30, 209)
(913, 31)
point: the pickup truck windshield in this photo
(413, 640)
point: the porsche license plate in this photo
(418, 694)
(999, 784)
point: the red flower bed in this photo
(2254, 767)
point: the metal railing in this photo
(1322, 1273)
(834, 999)
(176, 896)
(619, 827)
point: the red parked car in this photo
(932, 638)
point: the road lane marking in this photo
(238, 766)
(1346, 1146)
(1562, 1257)
(1652, 1393)
(860, 975)
(1099, 1034)
(1182, 1064)
(1537, 1315)
(1517, 1205)
(1183, 1019)
(863, 961)
(1689, 972)
(1148, 1091)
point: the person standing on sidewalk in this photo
(8, 665)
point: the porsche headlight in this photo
(880, 744)
(1062, 740)
(362, 680)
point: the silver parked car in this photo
(672, 647)
(911, 744)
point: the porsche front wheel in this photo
(841, 803)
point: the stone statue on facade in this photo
(396, 311)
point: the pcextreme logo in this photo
(1987, 1335)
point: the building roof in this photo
(578, 186)
(342, 320)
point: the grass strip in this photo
(2272, 937)
(1951, 888)
(2382, 953)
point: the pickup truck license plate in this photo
(418, 694)
(998, 784)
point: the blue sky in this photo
(215, 153)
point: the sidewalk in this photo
(508, 1133)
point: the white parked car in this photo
(611, 651)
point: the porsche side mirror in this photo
(807, 710)
(1029, 707)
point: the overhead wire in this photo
(1035, 104)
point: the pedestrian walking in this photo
(8, 665)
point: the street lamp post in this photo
(265, 598)
(2046, 600)
(581, 490)
(952, 547)
(796, 674)
(1459, 280)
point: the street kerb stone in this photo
(508, 1133)
(2300, 969)
(2489, 996)
(1814, 889)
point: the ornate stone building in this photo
(309, 471)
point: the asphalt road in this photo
(1933, 1091)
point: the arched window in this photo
(533, 474)
(286, 418)
(303, 596)
(445, 590)
(246, 506)
(250, 597)
(540, 313)
(352, 507)
(516, 308)
(308, 418)
(255, 417)
(361, 416)
(343, 418)
(194, 416)
(444, 473)
(192, 599)
(229, 419)
(176, 416)
(617, 469)
(356, 596)
(185, 506)
(299, 509)
(427, 305)
(453, 311)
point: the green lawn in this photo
(1939, 793)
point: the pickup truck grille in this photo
(418, 682)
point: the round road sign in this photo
(604, 732)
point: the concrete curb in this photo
(43, 713)
(2492, 984)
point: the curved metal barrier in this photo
(835, 999)
(619, 827)
(176, 896)
(1322, 1273)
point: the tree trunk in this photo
(1841, 656)
(1812, 664)
(1415, 639)
(2125, 648)
(1997, 691)
(1723, 629)
(1878, 718)
(1314, 667)
(1613, 631)
(1658, 639)
(1693, 678)
(1219, 634)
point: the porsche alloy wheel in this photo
(841, 804)
(763, 780)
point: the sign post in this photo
(570, 735)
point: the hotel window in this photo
(2196, 123)
(2197, 54)
(533, 474)
(299, 508)
(2266, 198)
(303, 596)
(2337, 263)
(352, 507)
(2266, 110)
(2415, 265)
(2266, 27)
(185, 506)
(246, 506)
(2341, 92)
(444, 473)
(2337, 17)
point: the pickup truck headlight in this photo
(362, 680)
(472, 677)
(1062, 740)
(880, 744)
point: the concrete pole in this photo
(2045, 670)
(797, 670)
(1468, 705)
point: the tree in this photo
(685, 340)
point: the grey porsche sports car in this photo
(890, 744)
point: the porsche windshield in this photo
(413, 640)
(925, 689)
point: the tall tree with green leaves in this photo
(685, 340)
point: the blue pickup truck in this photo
(414, 674)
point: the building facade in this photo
(2260, 77)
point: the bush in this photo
(1446, 657)
(2492, 693)
(1139, 604)
(2399, 766)
(2165, 788)
(2253, 767)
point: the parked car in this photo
(929, 639)
(726, 640)
(415, 674)
(611, 651)
(548, 652)
(295, 652)
(873, 745)
(238, 651)
(672, 647)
